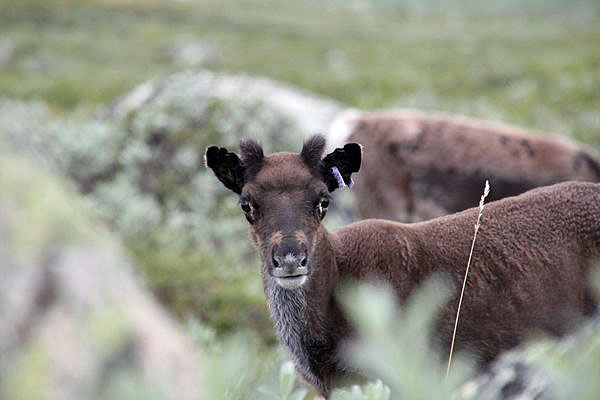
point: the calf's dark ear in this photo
(227, 166)
(346, 160)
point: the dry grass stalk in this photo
(486, 191)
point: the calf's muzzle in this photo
(289, 261)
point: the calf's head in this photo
(284, 197)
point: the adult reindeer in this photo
(421, 165)
(528, 269)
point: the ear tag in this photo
(340, 181)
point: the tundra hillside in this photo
(529, 271)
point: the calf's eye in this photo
(322, 207)
(245, 205)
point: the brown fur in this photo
(419, 166)
(528, 271)
(276, 238)
(301, 238)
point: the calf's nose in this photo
(289, 258)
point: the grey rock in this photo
(76, 322)
(308, 113)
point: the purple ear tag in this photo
(340, 181)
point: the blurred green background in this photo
(64, 63)
(529, 62)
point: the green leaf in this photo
(287, 376)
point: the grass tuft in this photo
(486, 191)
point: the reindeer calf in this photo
(528, 270)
